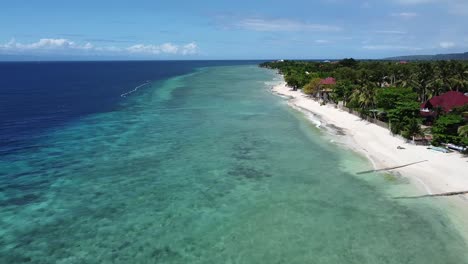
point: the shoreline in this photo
(439, 173)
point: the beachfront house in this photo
(326, 87)
(442, 103)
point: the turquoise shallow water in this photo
(209, 168)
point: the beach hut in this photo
(444, 102)
(326, 87)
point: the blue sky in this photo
(208, 29)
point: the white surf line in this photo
(134, 90)
(428, 190)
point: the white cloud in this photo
(108, 49)
(257, 24)
(140, 48)
(88, 46)
(167, 48)
(190, 48)
(446, 44)
(406, 15)
(322, 41)
(45, 44)
(62, 46)
(390, 47)
(153, 49)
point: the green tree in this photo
(412, 128)
(402, 115)
(343, 91)
(445, 129)
(447, 124)
(346, 74)
(351, 63)
(459, 80)
(364, 96)
(292, 81)
(423, 79)
(444, 74)
(312, 86)
(463, 131)
(389, 97)
(403, 75)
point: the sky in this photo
(217, 29)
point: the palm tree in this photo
(365, 79)
(459, 79)
(364, 95)
(412, 129)
(437, 87)
(423, 79)
(444, 74)
(463, 131)
(403, 76)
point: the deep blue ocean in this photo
(36, 96)
(191, 162)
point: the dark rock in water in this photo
(249, 173)
(124, 245)
(20, 201)
(25, 186)
(17, 258)
(248, 149)
(242, 156)
(164, 253)
(337, 130)
(244, 149)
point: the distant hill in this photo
(452, 56)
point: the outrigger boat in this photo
(444, 150)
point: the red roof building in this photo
(328, 81)
(446, 102)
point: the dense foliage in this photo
(388, 90)
(446, 129)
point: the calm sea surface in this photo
(189, 162)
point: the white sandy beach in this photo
(440, 173)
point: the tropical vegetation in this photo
(390, 91)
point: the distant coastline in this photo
(450, 56)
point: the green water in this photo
(212, 168)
